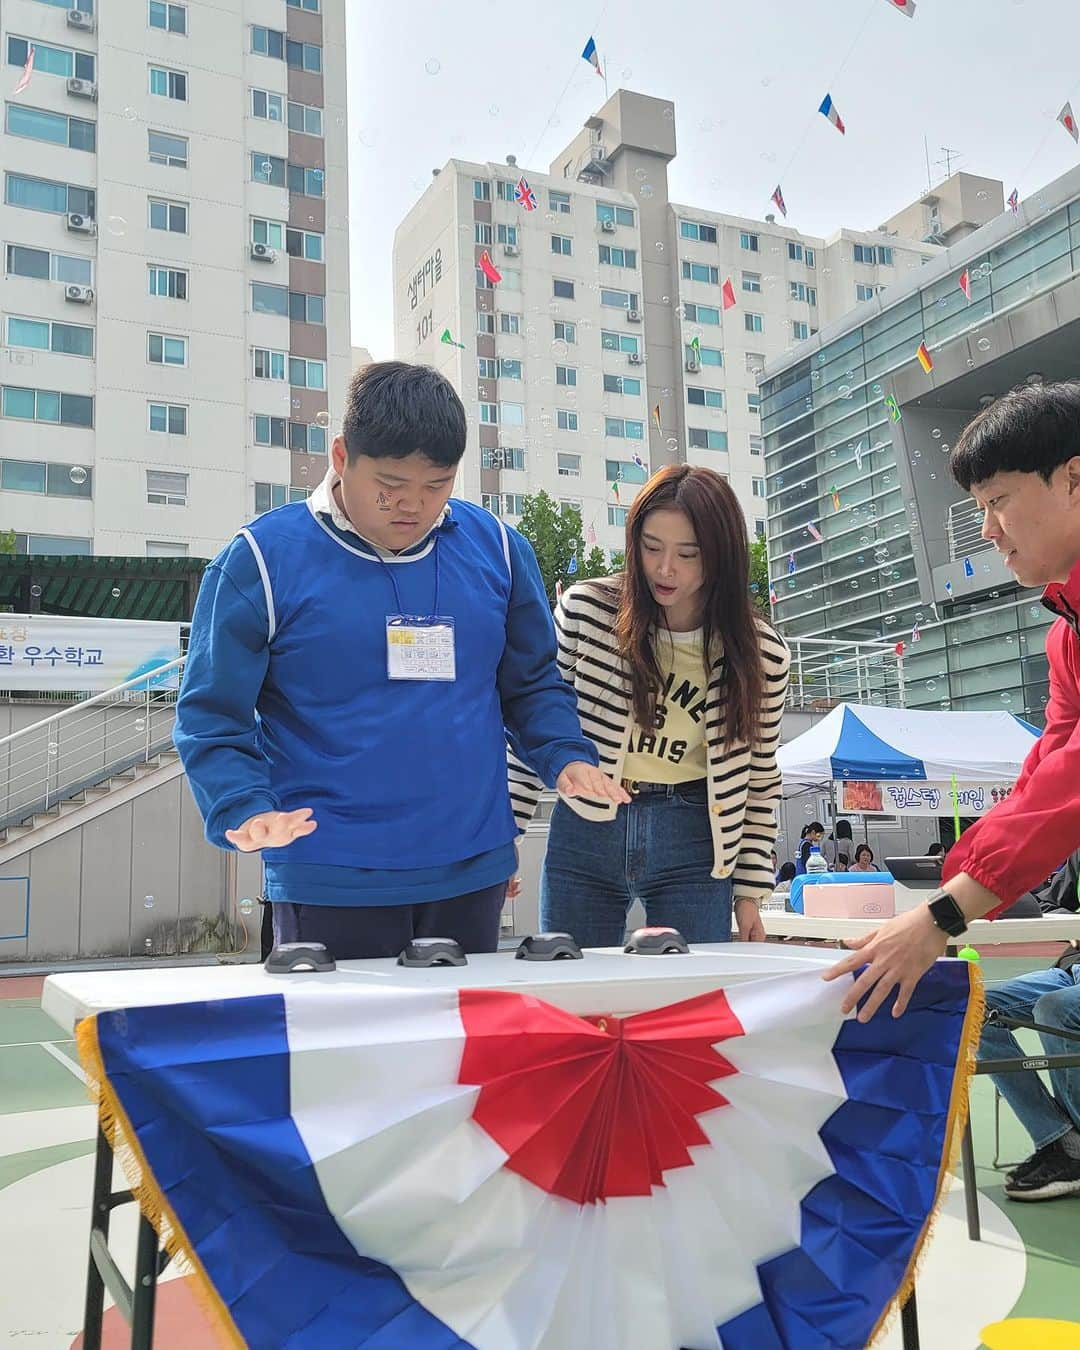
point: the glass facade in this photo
(840, 553)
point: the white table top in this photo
(604, 980)
(980, 933)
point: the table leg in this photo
(100, 1210)
(971, 1189)
(144, 1290)
(909, 1322)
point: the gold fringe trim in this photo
(959, 1106)
(144, 1188)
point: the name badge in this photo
(420, 647)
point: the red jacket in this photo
(1024, 838)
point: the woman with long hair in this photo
(680, 684)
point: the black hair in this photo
(393, 410)
(804, 850)
(867, 849)
(936, 851)
(787, 872)
(1034, 428)
(843, 829)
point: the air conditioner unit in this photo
(82, 89)
(693, 365)
(263, 253)
(77, 19)
(635, 359)
(597, 154)
(79, 295)
(634, 315)
(608, 226)
(511, 250)
(80, 224)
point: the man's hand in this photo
(272, 829)
(899, 953)
(585, 780)
(748, 919)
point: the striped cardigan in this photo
(743, 780)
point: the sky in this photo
(478, 80)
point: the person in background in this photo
(864, 859)
(681, 685)
(936, 851)
(812, 835)
(839, 848)
(785, 877)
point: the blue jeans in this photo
(658, 850)
(1051, 997)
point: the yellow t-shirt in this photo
(675, 751)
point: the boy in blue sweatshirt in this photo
(357, 664)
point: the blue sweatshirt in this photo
(286, 703)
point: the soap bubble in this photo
(116, 225)
(432, 66)
(247, 905)
(115, 592)
(140, 724)
(148, 903)
(35, 591)
(77, 474)
(322, 418)
(983, 344)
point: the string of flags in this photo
(448, 338)
(916, 636)
(948, 589)
(571, 566)
(28, 70)
(1014, 200)
(925, 359)
(727, 298)
(695, 345)
(814, 533)
(591, 55)
(965, 284)
(835, 497)
(489, 269)
(524, 195)
(906, 7)
(892, 407)
(969, 568)
(829, 112)
(774, 599)
(1068, 121)
(791, 564)
(778, 198)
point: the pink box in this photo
(849, 900)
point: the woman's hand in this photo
(748, 921)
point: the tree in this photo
(759, 575)
(557, 539)
(7, 541)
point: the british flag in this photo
(524, 195)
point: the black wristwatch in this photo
(947, 914)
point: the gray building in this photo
(870, 540)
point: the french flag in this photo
(591, 55)
(828, 110)
(442, 1168)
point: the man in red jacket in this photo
(1020, 460)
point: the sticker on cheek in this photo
(383, 501)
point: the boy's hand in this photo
(272, 829)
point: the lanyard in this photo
(393, 580)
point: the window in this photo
(799, 330)
(795, 252)
(171, 216)
(701, 314)
(307, 439)
(60, 544)
(559, 202)
(705, 356)
(168, 418)
(624, 429)
(510, 369)
(303, 56)
(693, 271)
(512, 414)
(266, 106)
(514, 503)
(162, 548)
(751, 281)
(171, 151)
(54, 128)
(562, 290)
(481, 189)
(305, 182)
(485, 322)
(616, 515)
(168, 83)
(267, 42)
(270, 232)
(268, 364)
(563, 245)
(507, 234)
(487, 367)
(566, 420)
(40, 194)
(755, 362)
(269, 496)
(267, 169)
(621, 384)
(269, 299)
(811, 295)
(759, 528)
(304, 244)
(624, 471)
(621, 215)
(272, 431)
(618, 257)
(569, 504)
(758, 486)
(483, 283)
(565, 332)
(504, 191)
(66, 339)
(51, 60)
(42, 265)
(489, 413)
(166, 489)
(305, 119)
(503, 458)
(618, 342)
(753, 323)
(618, 299)
(809, 257)
(566, 375)
(757, 444)
(753, 403)
(690, 229)
(47, 405)
(864, 292)
(307, 308)
(162, 350)
(511, 279)
(700, 439)
(569, 466)
(705, 398)
(305, 374)
(510, 324)
(168, 17)
(491, 501)
(867, 253)
(84, 6)
(797, 290)
(312, 6)
(51, 480)
(168, 282)
(750, 242)
(884, 255)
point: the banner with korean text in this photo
(917, 798)
(52, 653)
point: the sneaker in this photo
(1028, 1164)
(1055, 1175)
